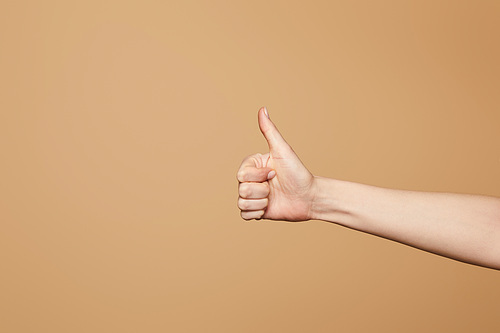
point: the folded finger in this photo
(253, 214)
(253, 174)
(252, 204)
(253, 190)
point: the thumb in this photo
(270, 132)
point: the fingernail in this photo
(271, 174)
(265, 111)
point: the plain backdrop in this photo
(123, 123)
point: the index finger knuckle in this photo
(241, 175)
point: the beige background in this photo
(122, 125)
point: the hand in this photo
(276, 185)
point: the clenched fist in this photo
(276, 185)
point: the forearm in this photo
(458, 226)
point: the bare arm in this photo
(278, 186)
(459, 226)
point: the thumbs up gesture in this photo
(276, 185)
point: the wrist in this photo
(327, 200)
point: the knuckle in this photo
(244, 215)
(245, 190)
(242, 204)
(246, 158)
(251, 156)
(241, 175)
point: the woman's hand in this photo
(276, 185)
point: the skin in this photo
(277, 186)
